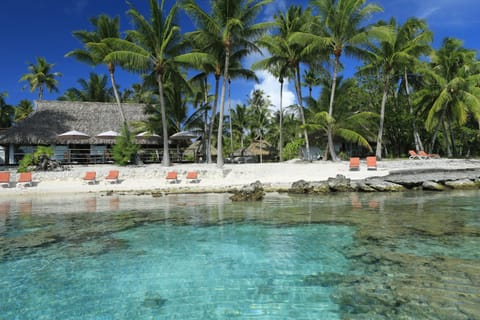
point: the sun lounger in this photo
(192, 177)
(172, 177)
(371, 163)
(412, 155)
(355, 163)
(24, 180)
(5, 179)
(90, 177)
(112, 176)
(428, 155)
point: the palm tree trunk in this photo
(331, 147)
(166, 155)
(230, 114)
(378, 152)
(416, 135)
(212, 119)
(280, 147)
(222, 107)
(300, 108)
(447, 142)
(117, 96)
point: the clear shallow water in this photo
(203, 257)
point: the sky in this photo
(43, 28)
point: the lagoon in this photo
(411, 255)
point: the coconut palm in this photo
(286, 54)
(390, 56)
(233, 24)
(95, 89)
(154, 49)
(451, 90)
(95, 50)
(40, 77)
(23, 110)
(344, 30)
(6, 111)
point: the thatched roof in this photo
(255, 149)
(196, 148)
(55, 117)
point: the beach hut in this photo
(53, 118)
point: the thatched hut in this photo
(52, 118)
(261, 150)
(195, 152)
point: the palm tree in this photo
(231, 23)
(40, 77)
(239, 121)
(259, 115)
(154, 48)
(6, 111)
(287, 54)
(392, 55)
(451, 90)
(344, 31)
(95, 89)
(96, 51)
(23, 110)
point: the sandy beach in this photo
(151, 177)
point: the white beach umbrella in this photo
(183, 135)
(108, 135)
(73, 135)
(147, 135)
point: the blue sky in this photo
(43, 28)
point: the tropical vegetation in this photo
(404, 94)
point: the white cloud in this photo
(270, 85)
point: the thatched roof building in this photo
(52, 118)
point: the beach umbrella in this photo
(147, 135)
(73, 135)
(108, 135)
(183, 135)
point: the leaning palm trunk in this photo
(300, 108)
(166, 155)
(222, 107)
(378, 152)
(280, 142)
(111, 70)
(212, 120)
(331, 148)
(416, 135)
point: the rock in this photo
(360, 185)
(320, 187)
(250, 192)
(301, 187)
(340, 183)
(461, 184)
(385, 186)
(433, 186)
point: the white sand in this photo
(275, 175)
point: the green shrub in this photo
(292, 149)
(125, 148)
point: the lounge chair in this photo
(428, 155)
(112, 176)
(90, 177)
(192, 177)
(5, 179)
(355, 163)
(372, 163)
(24, 180)
(412, 155)
(172, 177)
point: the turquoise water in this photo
(203, 257)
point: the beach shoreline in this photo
(150, 178)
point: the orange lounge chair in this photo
(112, 176)
(90, 177)
(355, 163)
(371, 163)
(24, 179)
(5, 179)
(172, 177)
(412, 155)
(428, 155)
(192, 177)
